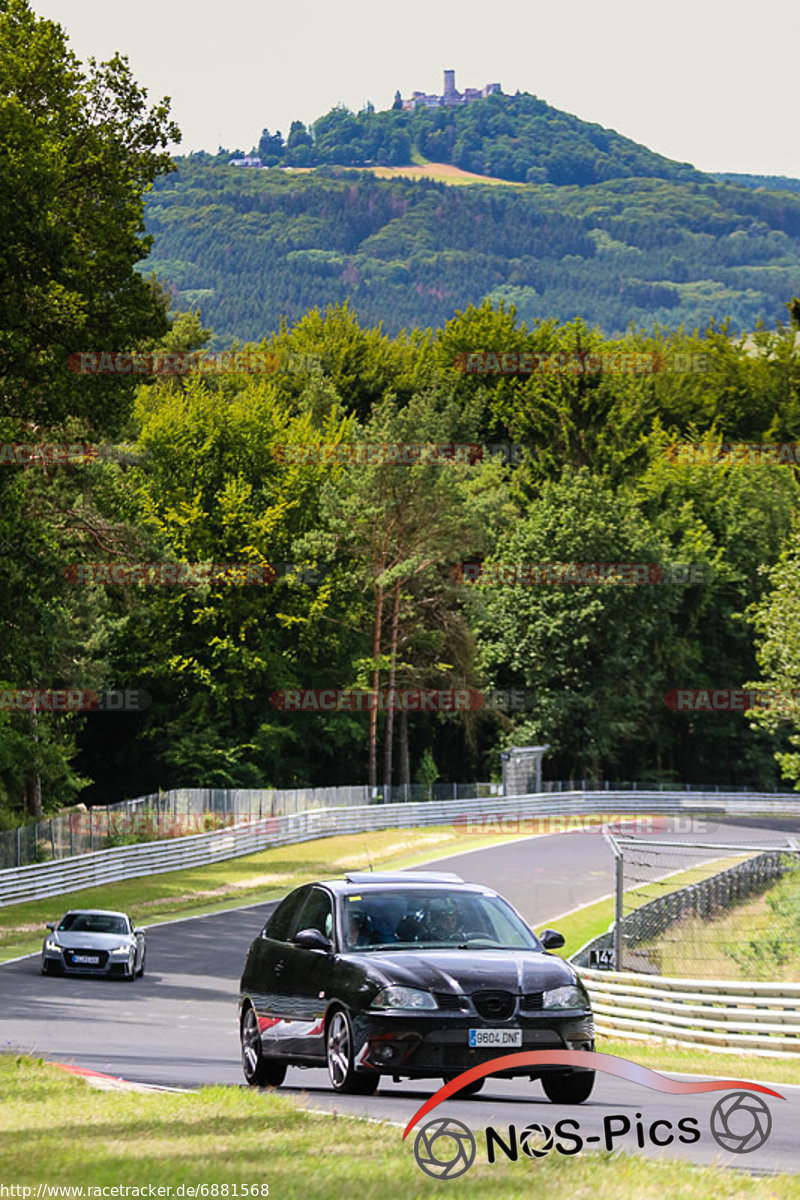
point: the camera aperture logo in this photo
(444, 1148)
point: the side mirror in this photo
(312, 939)
(51, 926)
(551, 939)
(138, 933)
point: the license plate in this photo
(88, 959)
(495, 1037)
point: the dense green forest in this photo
(250, 247)
(775, 183)
(203, 468)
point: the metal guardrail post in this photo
(618, 914)
(618, 875)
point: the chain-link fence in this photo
(706, 910)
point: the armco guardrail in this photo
(153, 858)
(761, 1018)
(183, 811)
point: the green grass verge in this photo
(234, 881)
(581, 926)
(56, 1130)
(696, 1060)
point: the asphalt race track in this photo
(177, 1026)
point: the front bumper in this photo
(418, 1047)
(114, 966)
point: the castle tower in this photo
(449, 85)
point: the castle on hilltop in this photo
(449, 99)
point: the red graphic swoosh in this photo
(590, 1059)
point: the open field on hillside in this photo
(444, 172)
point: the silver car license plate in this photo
(88, 959)
(491, 1038)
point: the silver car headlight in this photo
(404, 997)
(52, 946)
(565, 997)
(121, 950)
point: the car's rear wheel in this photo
(141, 966)
(258, 1070)
(339, 1051)
(568, 1089)
(469, 1089)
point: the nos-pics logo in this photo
(445, 1148)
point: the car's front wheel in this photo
(258, 1070)
(568, 1089)
(339, 1050)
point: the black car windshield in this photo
(93, 923)
(415, 919)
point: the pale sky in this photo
(703, 81)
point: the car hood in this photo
(92, 941)
(468, 971)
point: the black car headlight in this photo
(565, 997)
(404, 997)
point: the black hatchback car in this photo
(414, 975)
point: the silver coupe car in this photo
(94, 942)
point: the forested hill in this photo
(518, 138)
(249, 247)
(776, 183)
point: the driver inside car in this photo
(442, 924)
(359, 929)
